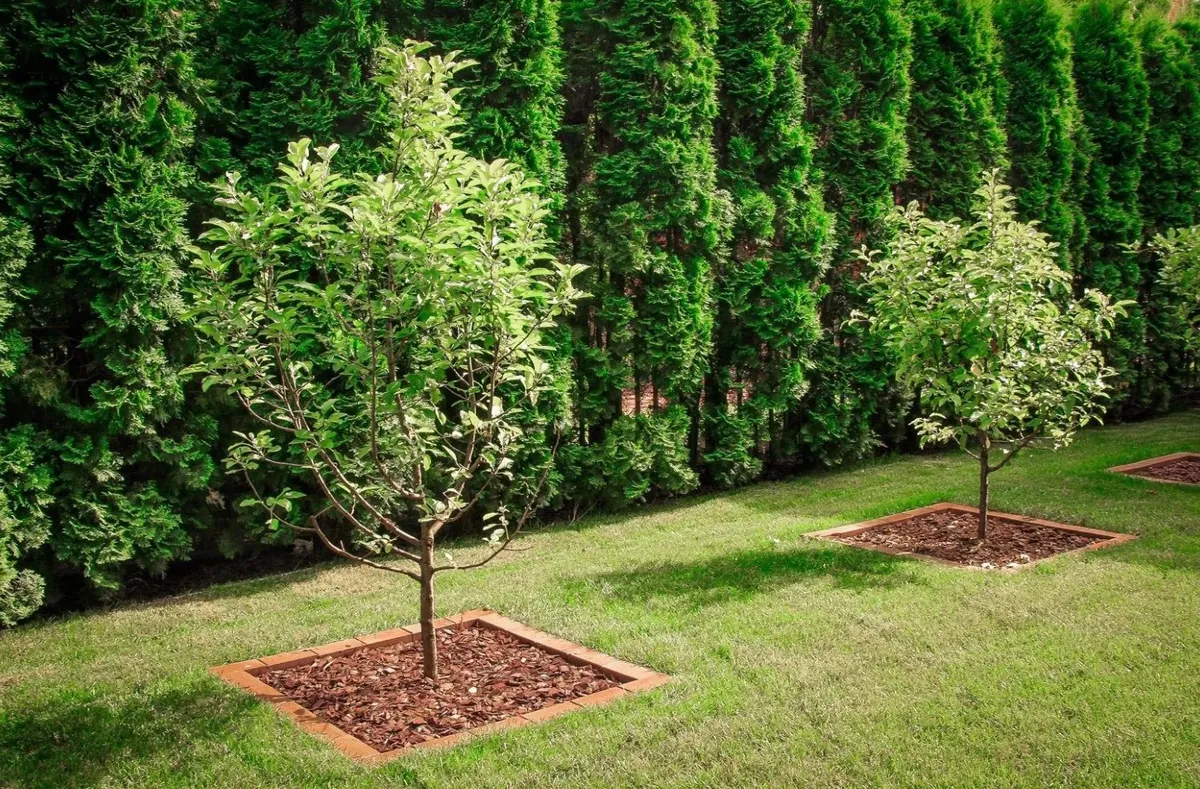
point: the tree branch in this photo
(341, 551)
(512, 535)
(1012, 453)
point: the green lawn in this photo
(797, 662)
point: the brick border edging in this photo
(1128, 469)
(243, 674)
(831, 535)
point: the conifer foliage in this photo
(1170, 186)
(644, 217)
(1170, 199)
(1044, 126)
(99, 173)
(766, 285)
(857, 65)
(23, 477)
(1113, 96)
(279, 69)
(859, 91)
(513, 93)
(954, 122)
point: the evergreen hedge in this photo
(767, 323)
(857, 64)
(1113, 97)
(1170, 187)
(514, 92)
(716, 164)
(24, 480)
(277, 70)
(955, 127)
(1169, 198)
(100, 172)
(645, 217)
(1046, 137)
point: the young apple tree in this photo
(983, 327)
(384, 331)
(1178, 252)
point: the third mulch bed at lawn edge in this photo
(1184, 470)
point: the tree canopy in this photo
(383, 331)
(982, 324)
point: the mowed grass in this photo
(796, 662)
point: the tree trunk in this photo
(984, 443)
(428, 636)
(694, 430)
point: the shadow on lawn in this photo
(742, 575)
(78, 737)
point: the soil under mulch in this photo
(381, 697)
(951, 535)
(1182, 470)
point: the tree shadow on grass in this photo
(742, 575)
(78, 736)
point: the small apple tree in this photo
(982, 325)
(1178, 251)
(384, 332)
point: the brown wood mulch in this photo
(485, 676)
(950, 536)
(1183, 470)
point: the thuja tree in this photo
(642, 215)
(766, 291)
(99, 171)
(1170, 184)
(1046, 150)
(955, 117)
(383, 330)
(1169, 198)
(512, 98)
(23, 479)
(858, 92)
(278, 69)
(982, 324)
(1113, 97)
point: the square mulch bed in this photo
(1180, 468)
(945, 533)
(367, 696)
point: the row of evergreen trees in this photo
(714, 162)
